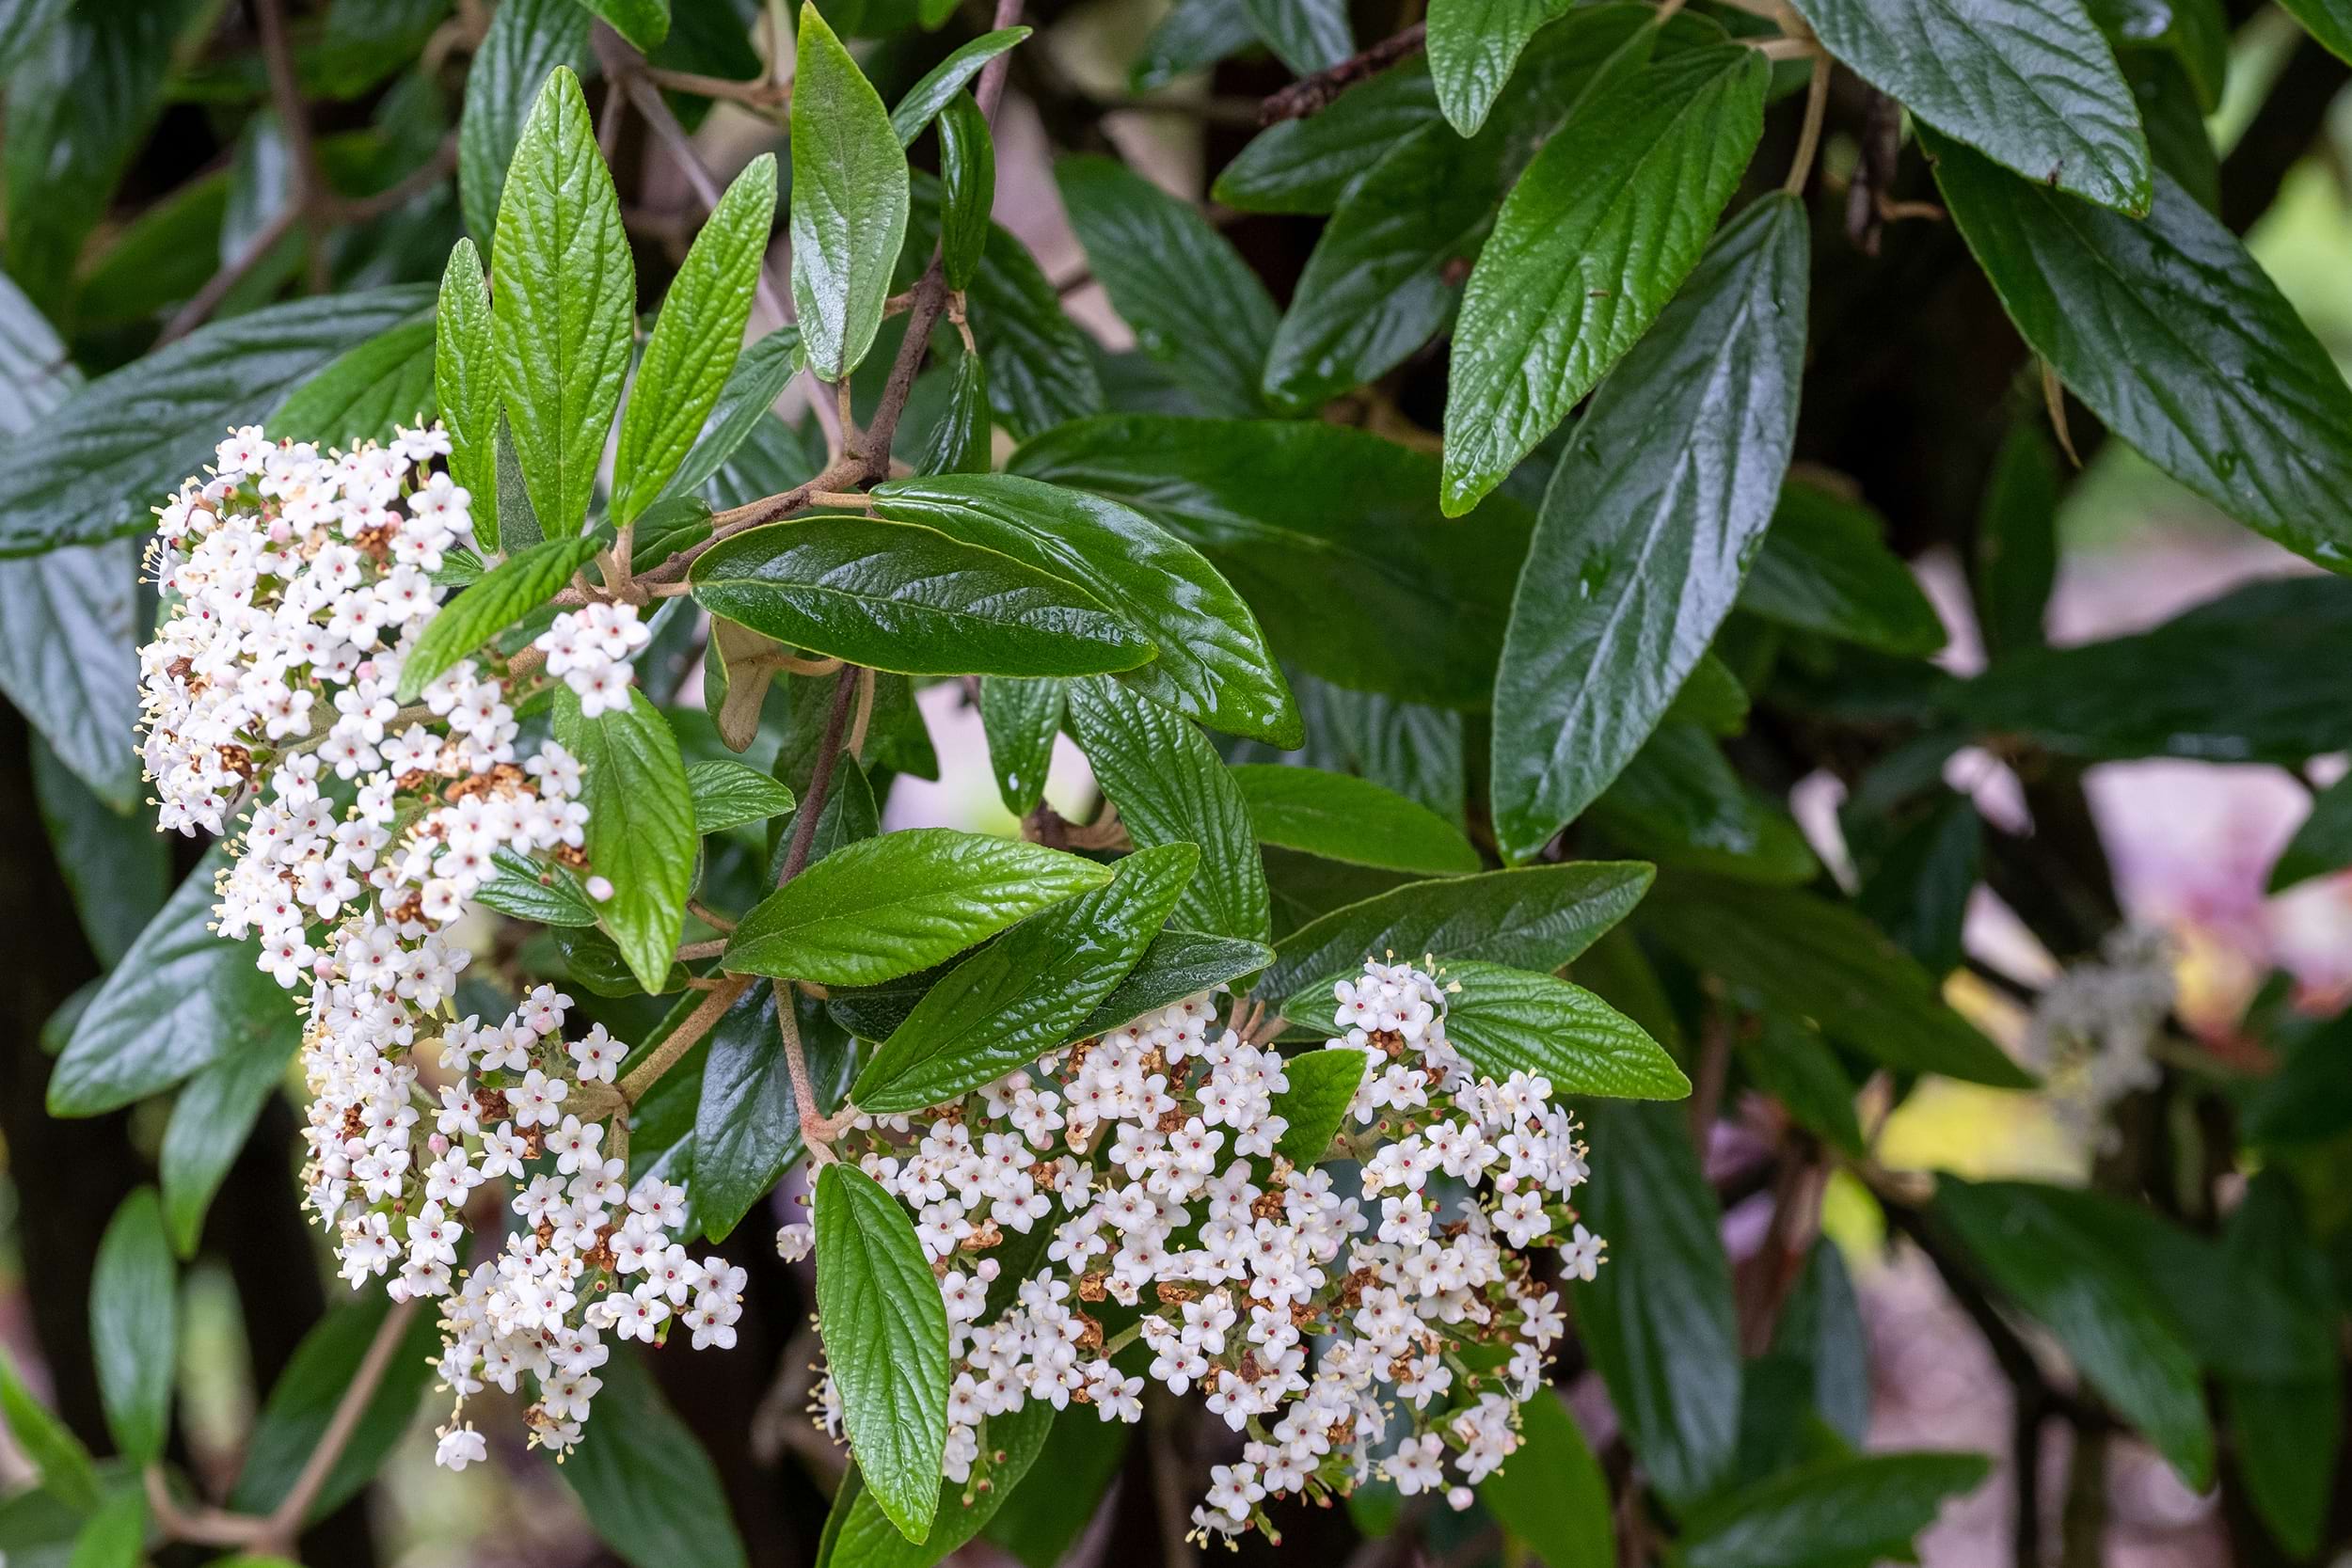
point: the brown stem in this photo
(207, 299)
(715, 1002)
(311, 196)
(1312, 93)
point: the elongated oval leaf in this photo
(1551, 1493)
(503, 595)
(849, 201)
(1508, 1021)
(1020, 719)
(644, 1481)
(859, 1535)
(365, 392)
(885, 1334)
(640, 826)
(2328, 20)
(747, 1121)
(210, 1123)
(959, 443)
(465, 383)
(1849, 1508)
(58, 1456)
(1825, 567)
(729, 794)
(1305, 35)
(1342, 817)
(1652, 516)
(303, 1400)
(889, 905)
(758, 378)
(1472, 46)
(1322, 1082)
(892, 597)
(526, 40)
(967, 183)
(133, 1312)
(1589, 246)
(940, 85)
(2030, 83)
(1177, 964)
(1306, 165)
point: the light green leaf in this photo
(526, 40)
(115, 1536)
(1305, 35)
(1651, 518)
(562, 305)
(1345, 819)
(967, 183)
(1472, 46)
(1539, 919)
(729, 794)
(1589, 246)
(303, 1399)
(361, 396)
(695, 341)
(1507, 1021)
(889, 905)
(503, 595)
(1020, 719)
(859, 1535)
(1551, 1494)
(2328, 20)
(645, 1482)
(465, 383)
(1025, 993)
(640, 826)
(758, 378)
(1857, 1508)
(134, 1314)
(1321, 1083)
(885, 1334)
(545, 894)
(1193, 302)
(849, 202)
(942, 82)
(2136, 315)
(1825, 567)
(643, 23)
(2030, 83)
(1213, 665)
(210, 1123)
(59, 1458)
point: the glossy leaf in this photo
(1472, 46)
(465, 384)
(1306, 165)
(728, 794)
(303, 1400)
(134, 1314)
(1213, 662)
(526, 40)
(1305, 35)
(1193, 34)
(1025, 993)
(747, 1127)
(1652, 515)
(1507, 1021)
(1851, 1509)
(885, 1343)
(889, 905)
(2328, 20)
(940, 85)
(1020, 719)
(1589, 246)
(644, 1479)
(1551, 1494)
(210, 1123)
(967, 183)
(1322, 1084)
(695, 341)
(643, 23)
(545, 894)
(758, 378)
(959, 443)
(892, 597)
(858, 1535)
(503, 595)
(1040, 366)
(1824, 566)
(2135, 314)
(640, 826)
(849, 202)
(365, 392)
(1345, 819)
(1177, 964)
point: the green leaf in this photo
(121, 444)
(545, 894)
(849, 202)
(644, 1481)
(518, 522)
(1213, 665)
(1551, 1494)
(959, 443)
(2017, 548)
(2259, 674)
(1330, 534)
(361, 396)
(1177, 964)
(859, 1535)
(1919, 875)
(643, 23)
(1658, 1319)
(1193, 302)
(889, 905)
(1027, 992)
(747, 1124)
(210, 1123)
(893, 596)
(562, 305)
(1306, 164)
(1020, 718)
(2135, 315)
(967, 170)
(1825, 567)
(69, 662)
(2288, 1430)
(1171, 787)
(63, 1463)
(760, 375)
(1822, 960)
(1507, 1021)
(1474, 45)
(885, 1334)
(940, 85)
(23, 26)
(1651, 518)
(1797, 1068)
(1820, 1327)
(2030, 83)
(1352, 819)
(304, 1399)
(528, 40)
(2328, 20)
(180, 999)
(134, 1314)
(508, 592)
(2191, 34)
(464, 382)
(1305, 35)
(2094, 1301)
(1864, 1507)
(117, 868)
(115, 1536)
(1680, 803)
(640, 826)
(2323, 844)
(1193, 34)
(1590, 245)
(729, 794)
(695, 339)
(1539, 919)
(1322, 1084)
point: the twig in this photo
(285, 90)
(817, 1129)
(681, 1039)
(760, 95)
(1810, 138)
(285, 1520)
(1312, 93)
(217, 288)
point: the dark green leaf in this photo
(1305, 166)
(1797, 1068)
(209, 1124)
(1305, 35)
(303, 1400)
(1351, 819)
(942, 82)
(528, 40)
(885, 1336)
(1658, 1319)
(1322, 1084)
(465, 383)
(1647, 527)
(508, 592)
(1328, 532)
(1821, 1326)
(2328, 20)
(385, 382)
(562, 305)
(2289, 1430)
(1171, 787)
(1472, 46)
(1507, 1021)
(1177, 964)
(959, 443)
(692, 349)
(122, 443)
(644, 1481)
(729, 794)
(2135, 315)
(545, 894)
(68, 661)
(1038, 1523)
(1848, 1510)
(1537, 919)
(1213, 665)
(1027, 992)
(893, 596)
(967, 180)
(1193, 302)
(1020, 719)
(859, 1535)
(640, 826)
(2030, 83)
(58, 1456)
(747, 1129)
(1823, 961)
(1551, 1493)
(2174, 121)
(2194, 35)
(1195, 33)
(1040, 366)
(2323, 842)
(1590, 245)
(2017, 540)
(1916, 886)
(849, 202)
(1825, 567)
(117, 868)
(1680, 803)
(889, 905)
(134, 1318)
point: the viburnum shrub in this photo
(1416, 1091)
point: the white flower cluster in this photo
(591, 648)
(2090, 1031)
(297, 583)
(1129, 1189)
